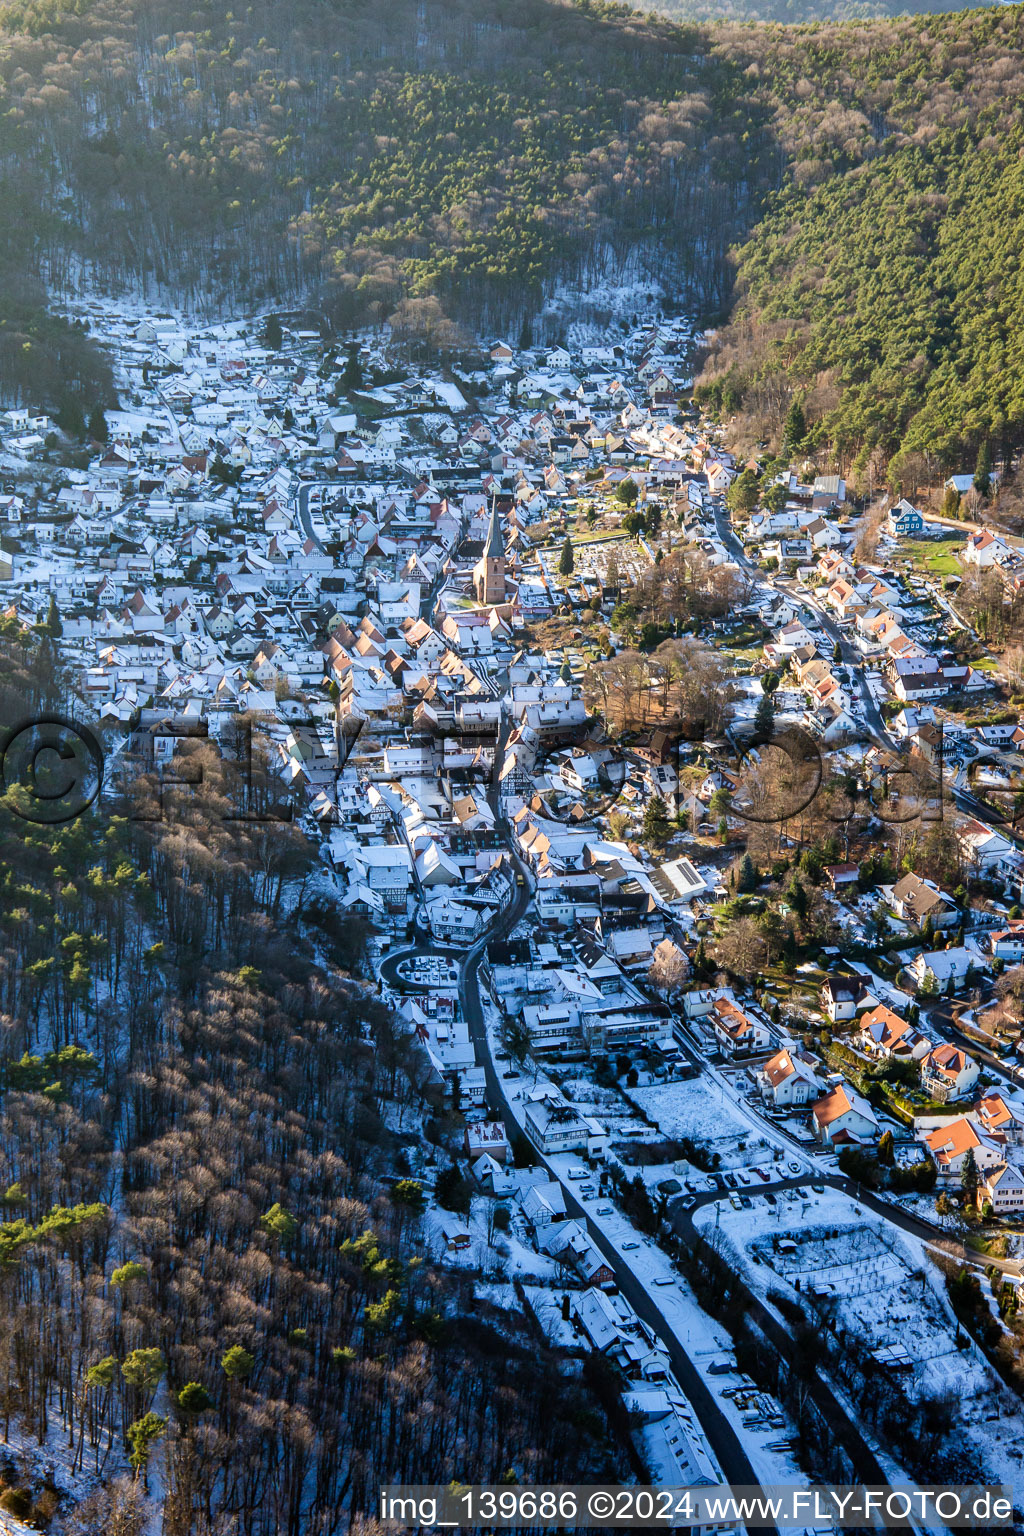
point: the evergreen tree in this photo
(837, 653)
(453, 1191)
(741, 497)
(71, 418)
(796, 897)
(352, 373)
(273, 335)
(951, 502)
(53, 626)
(567, 560)
(97, 427)
(656, 825)
(749, 878)
(886, 1154)
(764, 718)
(795, 429)
(969, 1178)
(983, 470)
(774, 498)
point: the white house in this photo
(949, 1144)
(736, 1032)
(1002, 1188)
(949, 968)
(788, 1078)
(842, 1118)
(947, 1072)
(555, 1125)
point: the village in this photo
(537, 660)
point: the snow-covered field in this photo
(886, 1290)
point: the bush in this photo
(16, 1502)
(45, 1507)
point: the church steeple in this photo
(489, 571)
(494, 548)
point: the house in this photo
(841, 996)
(1008, 943)
(918, 901)
(883, 1034)
(737, 1034)
(944, 969)
(828, 491)
(842, 876)
(996, 1117)
(788, 1078)
(488, 1136)
(986, 549)
(492, 1178)
(555, 1125)
(982, 847)
(949, 1144)
(905, 521)
(543, 1204)
(841, 1117)
(1001, 1188)
(947, 1072)
(456, 1237)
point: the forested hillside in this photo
(203, 1272)
(883, 285)
(427, 160)
(442, 164)
(796, 12)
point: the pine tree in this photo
(969, 1178)
(97, 428)
(54, 627)
(656, 825)
(983, 470)
(796, 896)
(352, 373)
(567, 560)
(273, 335)
(951, 502)
(764, 718)
(71, 418)
(749, 878)
(795, 429)
(837, 652)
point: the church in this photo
(489, 571)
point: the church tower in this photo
(489, 571)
